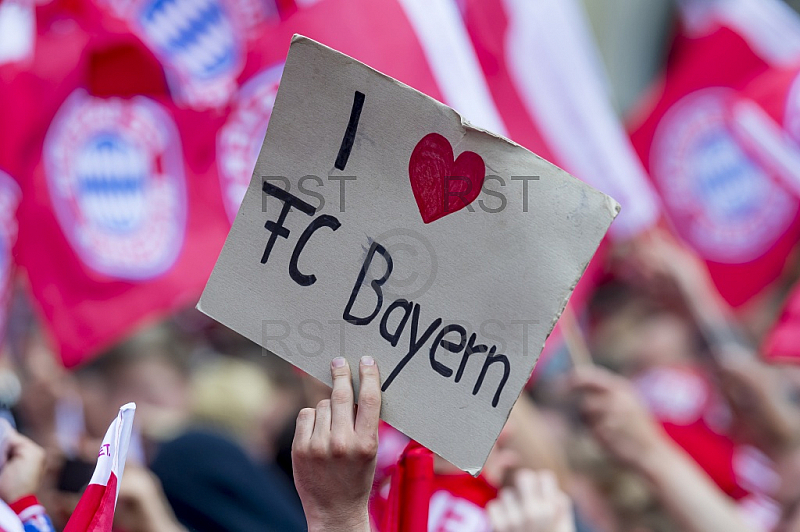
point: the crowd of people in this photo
(676, 424)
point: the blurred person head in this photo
(44, 384)
(290, 390)
(150, 368)
(633, 332)
(236, 412)
(238, 397)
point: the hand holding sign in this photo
(309, 282)
(334, 451)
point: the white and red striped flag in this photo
(546, 76)
(95, 510)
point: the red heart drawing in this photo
(442, 186)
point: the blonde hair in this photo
(230, 394)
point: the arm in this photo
(335, 450)
(661, 256)
(624, 427)
(687, 492)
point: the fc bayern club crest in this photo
(10, 196)
(239, 140)
(115, 175)
(721, 200)
(199, 42)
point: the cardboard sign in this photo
(379, 222)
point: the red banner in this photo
(721, 197)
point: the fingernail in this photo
(367, 361)
(338, 362)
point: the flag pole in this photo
(576, 343)
(410, 494)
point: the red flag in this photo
(410, 494)
(113, 233)
(95, 510)
(719, 196)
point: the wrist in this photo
(31, 512)
(321, 522)
(159, 518)
(160, 524)
(23, 503)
